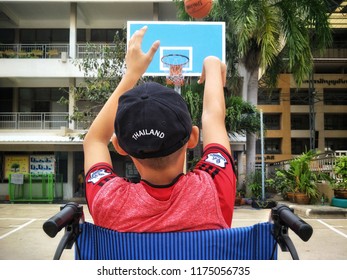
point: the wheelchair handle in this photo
(69, 213)
(285, 216)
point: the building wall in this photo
(322, 82)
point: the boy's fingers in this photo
(202, 76)
(151, 52)
(141, 32)
(224, 73)
(136, 38)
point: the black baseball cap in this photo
(152, 121)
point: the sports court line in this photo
(332, 228)
(16, 229)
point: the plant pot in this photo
(301, 198)
(340, 193)
(238, 200)
(290, 196)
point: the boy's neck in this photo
(162, 181)
(161, 177)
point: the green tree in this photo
(268, 37)
(339, 178)
(102, 66)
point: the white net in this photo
(175, 64)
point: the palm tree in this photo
(268, 36)
(266, 30)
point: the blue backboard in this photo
(193, 39)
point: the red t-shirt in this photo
(216, 162)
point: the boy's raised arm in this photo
(213, 114)
(96, 141)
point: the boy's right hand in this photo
(213, 61)
(136, 60)
(213, 114)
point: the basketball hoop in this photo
(175, 63)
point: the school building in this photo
(40, 147)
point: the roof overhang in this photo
(38, 138)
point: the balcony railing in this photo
(32, 50)
(321, 163)
(51, 50)
(34, 120)
(55, 50)
(331, 53)
(95, 50)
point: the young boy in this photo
(153, 126)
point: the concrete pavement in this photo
(22, 237)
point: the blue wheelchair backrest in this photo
(245, 243)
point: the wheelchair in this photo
(257, 242)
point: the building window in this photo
(335, 121)
(42, 100)
(103, 35)
(300, 145)
(59, 35)
(335, 144)
(299, 97)
(62, 164)
(6, 99)
(7, 36)
(269, 98)
(300, 121)
(44, 36)
(335, 96)
(271, 146)
(81, 36)
(272, 121)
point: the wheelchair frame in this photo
(71, 217)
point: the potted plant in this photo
(282, 184)
(339, 180)
(238, 197)
(253, 182)
(302, 179)
(306, 188)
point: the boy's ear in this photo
(115, 143)
(194, 137)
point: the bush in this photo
(253, 182)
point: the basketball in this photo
(198, 8)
